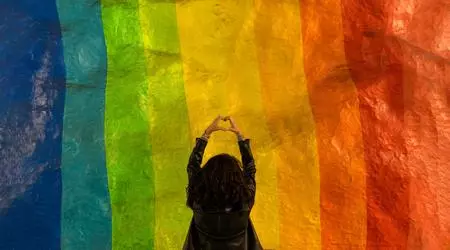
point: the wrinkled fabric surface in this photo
(346, 103)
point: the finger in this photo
(220, 128)
(233, 123)
(230, 119)
(232, 130)
(216, 120)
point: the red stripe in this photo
(375, 62)
(427, 120)
(426, 138)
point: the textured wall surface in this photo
(346, 103)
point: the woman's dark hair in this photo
(219, 184)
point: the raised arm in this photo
(196, 157)
(195, 160)
(248, 162)
(249, 167)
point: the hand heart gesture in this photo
(214, 126)
(233, 127)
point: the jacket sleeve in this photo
(195, 160)
(249, 167)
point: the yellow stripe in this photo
(221, 77)
(290, 121)
(169, 123)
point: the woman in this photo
(221, 196)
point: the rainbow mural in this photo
(347, 104)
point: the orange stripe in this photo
(335, 105)
(290, 122)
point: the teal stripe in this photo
(86, 211)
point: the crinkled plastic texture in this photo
(346, 104)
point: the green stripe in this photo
(128, 151)
(170, 131)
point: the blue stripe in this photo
(86, 211)
(32, 86)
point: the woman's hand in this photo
(233, 127)
(214, 126)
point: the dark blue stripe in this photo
(86, 209)
(32, 86)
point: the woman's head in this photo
(219, 184)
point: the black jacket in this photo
(217, 230)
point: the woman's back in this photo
(231, 231)
(221, 196)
